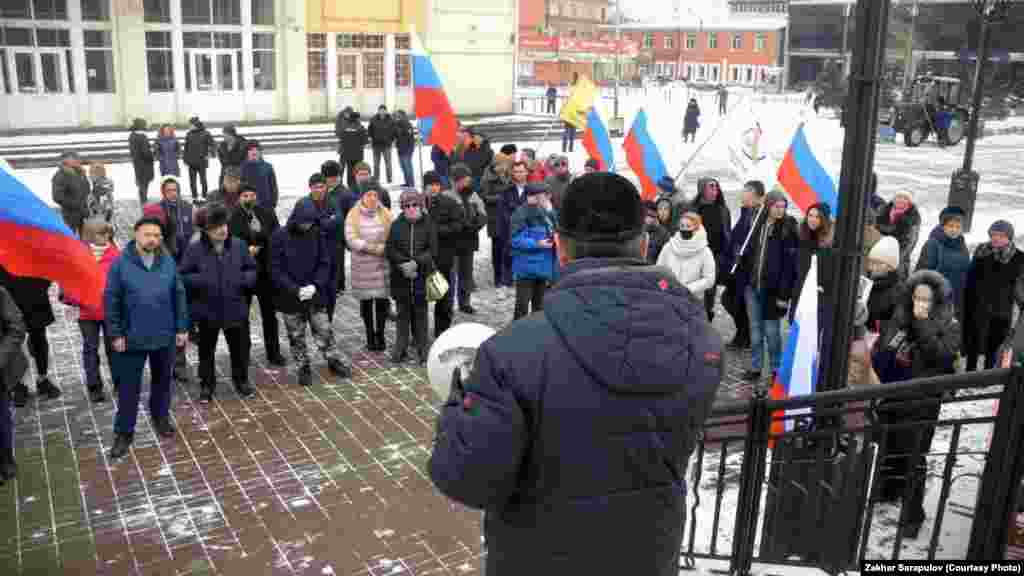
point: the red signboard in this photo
(627, 48)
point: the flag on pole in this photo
(580, 101)
(803, 177)
(37, 243)
(597, 142)
(437, 122)
(643, 157)
(798, 374)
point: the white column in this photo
(389, 71)
(246, 76)
(332, 74)
(81, 97)
(129, 39)
(181, 111)
(293, 61)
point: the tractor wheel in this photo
(914, 136)
(957, 128)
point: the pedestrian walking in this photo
(199, 147)
(552, 97)
(71, 189)
(691, 121)
(142, 158)
(382, 133)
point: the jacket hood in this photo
(939, 235)
(699, 199)
(304, 213)
(942, 293)
(687, 248)
(630, 325)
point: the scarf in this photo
(98, 250)
(895, 215)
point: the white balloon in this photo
(455, 348)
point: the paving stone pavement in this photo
(326, 480)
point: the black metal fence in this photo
(809, 481)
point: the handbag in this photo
(437, 286)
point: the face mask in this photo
(686, 234)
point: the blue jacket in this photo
(218, 284)
(298, 259)
(948, 257)
(169, 149)
(260, 174)
(442, 162)
(531, 224)
(579, 421)
(147, 307)
(509, 200)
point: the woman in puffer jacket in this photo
(688, 256)
(534, 265)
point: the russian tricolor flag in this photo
(597, 143)
(804, 178)
(437, 121)
(798, 374)
(35, 242)
(643, 157)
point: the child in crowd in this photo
(101, 197)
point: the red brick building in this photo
(730, 50)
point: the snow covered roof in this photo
(713, 24)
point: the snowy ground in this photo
(925, 171)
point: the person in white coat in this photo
(688, 256)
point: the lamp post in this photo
(963, 187)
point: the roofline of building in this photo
(710, 25)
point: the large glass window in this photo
(263, 61)
(348, 69)
(99, 61)
(316, 61)
(712, 40)
(16, 9)
(648, 40)
(159, 59)
(759, 42)
(211, 12)
(691, 40)
(41, 60)
(403, 70)
(373, 70)
(668, 42)
(96, 10)
(263, 12)
(50, 9)
(157, 10)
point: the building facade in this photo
(68, 63)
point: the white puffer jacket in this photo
(691, 261)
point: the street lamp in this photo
(963, 188)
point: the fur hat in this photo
(601, 207)
(886, 250)
(1001, 226)
(950, 212)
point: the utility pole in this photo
(963, 187)
(908, 70)
(618, 54)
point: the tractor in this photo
(936, 106)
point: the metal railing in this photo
(813, 495)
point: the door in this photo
(215, 71)
(349, 80)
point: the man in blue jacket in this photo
(578, 421)
(259, 173)
(220, 271)
(147, 317)
(301, 260)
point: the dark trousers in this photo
(405, 162)
(734, 304)
(39, 348)
(238, 347)
(465, 277)
(412, 317)
(568, 138)
(709, 302)
(340, 257)
(986, 341)
(6, 421)
(91, 351)
(443, 307)
(529, 296)
(374, 312)
(348, 171)
(551, 106)
(898, 467)
(143, 192)
(378, 153)
(268, 315)
(506, 260)
(498, 260)
(194, 171)
(128, 366)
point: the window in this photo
(735, 73)
(211, 12)
(5, 75)
(263, 12)
(316, 60)
(759, 42)
(50, 9)
(96, 10)
(403, 70)
(402, 42)
(737, 41)
(668, 42)
(159, 58)
(43, 61)
(157, 11)
(712, 40)
(648, 40)
(373, 71)
(347, 71)
(691, 40)
(553, 9)
(16, 9)
(263, 61)
(99, 61)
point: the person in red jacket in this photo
(99, 235)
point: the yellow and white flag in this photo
(574, 111)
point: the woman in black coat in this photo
(714, 213)
(409, 250)
(32, 296)
(691, 121)
(142, 158)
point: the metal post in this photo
(858, 160)
(618, 55)
(908, 70)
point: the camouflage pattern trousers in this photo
(323, 335)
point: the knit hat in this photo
(667, 184)
(194, 121)
(430, 178)
(458, 172)
(601, 207)
(534, 188)
(316, 178)
(1001, 226)
(886, 250)
(330, 169)
(906, 194)
(509, 149)
(950, 212)
(216, 216)
(592, 163)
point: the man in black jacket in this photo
(255, 225)
(142, 158)
(468, 241)
(448, 218)
(352, 139)
(603, 391)
(71, 190)
(231, 151)
(199, 146)
(382, 136)
(405, 142)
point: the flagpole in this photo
(746, 242)
(419, 133)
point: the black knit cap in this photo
(430, 178)
(458, 172)
(216, 216)
(509, 149)
(330, 169)
(316, 178)
(601, 207)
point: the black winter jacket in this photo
(886, 294)
(239, 226)
(352, 137)
(32, 296)
(405, 137)
(71, 189)
(218, 284)
(199, 146)
(905, 230)
(410, 241)
(142, 156)
(491, 187)
(717, 220)
(382, 130)
(448, 218)
(233, 156)
(298, 259)
(579, 421)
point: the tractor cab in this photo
(933, 106)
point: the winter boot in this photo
(19, 395)
(339, 368)
(46, 389)
(122, 442)
(305, 376)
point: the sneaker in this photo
(122, 442)
(19, 395)
(339, 368)
(96, 395)
(244, 389)
(163, 427)
(751, 375)
(47, 390)
(276, 360)
(206, 395)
